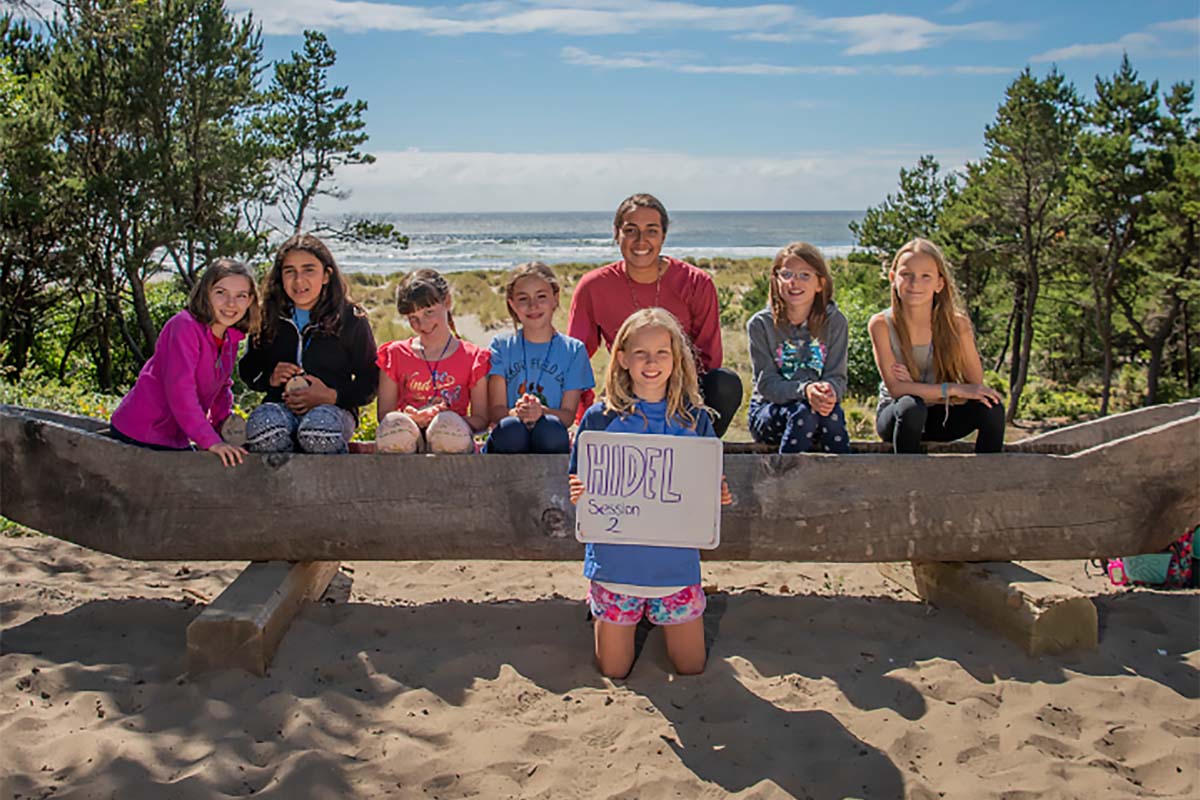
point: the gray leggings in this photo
(273, 428)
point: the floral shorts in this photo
(622, 609)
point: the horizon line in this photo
(609, 211)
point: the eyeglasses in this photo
(788, 275)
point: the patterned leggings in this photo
(273, 428)
(796, 428)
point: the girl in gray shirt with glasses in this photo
(798, 350)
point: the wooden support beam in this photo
(901, 574)
(1035, 612)
(242, 628)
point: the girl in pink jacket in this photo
(183, 393)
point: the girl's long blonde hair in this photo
(949, 357)
(819, 312)
(683, 387)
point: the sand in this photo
(473, 679)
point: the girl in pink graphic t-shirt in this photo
(432, 387)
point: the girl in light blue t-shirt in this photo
(537, 374)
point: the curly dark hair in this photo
(335, 294)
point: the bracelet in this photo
(945, 393)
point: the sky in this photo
(572, 105)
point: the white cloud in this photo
(960, 7)
(982, 70)
(765, 22)
(764, 69)
(1152, 41)
(415, 180)
(573, 18)
(685, 63)
(1129, 43)
(771, 38)
(1189, 25)
(872, 34)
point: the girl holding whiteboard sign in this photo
(650, 387)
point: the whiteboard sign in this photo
(649, 489)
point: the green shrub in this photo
(756, 297)
(61, 328)
(860, 418)
(12, 530)
(730, 313)
(368, 422)
(72, 396)
(1048, 400)
(1129, 389)
(863, 376)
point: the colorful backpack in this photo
(1177, 567)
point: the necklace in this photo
(220, 352)
(633, 295)
(529, 388)
(434, 369)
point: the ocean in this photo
(457, 242)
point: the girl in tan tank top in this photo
(932, 380)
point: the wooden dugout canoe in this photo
(1121, 485)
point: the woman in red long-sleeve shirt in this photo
(645, 278)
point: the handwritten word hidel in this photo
(616, 470)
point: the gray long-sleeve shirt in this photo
(785, 360)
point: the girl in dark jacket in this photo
(314, 357)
